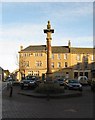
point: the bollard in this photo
(11, 91)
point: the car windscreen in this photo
(30, 78)
(60, 79)
(10, 79)
(73, 81)
(83, 79)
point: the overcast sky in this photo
(22, 23)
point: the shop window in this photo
(85, 65)
(75, 74)
(67, 74)
(81, 73)
(86, 74)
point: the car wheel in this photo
(65, 87)
(69, 88)
(92, 89)
(80, 89)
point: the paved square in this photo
(19, 106)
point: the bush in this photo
(49, 88)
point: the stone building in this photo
(67, 61)
(93, 65)
(1, 74)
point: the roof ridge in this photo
(60, 46)
(81, 48)
(36, 45)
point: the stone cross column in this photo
(48, 31)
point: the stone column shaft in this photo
(48, 31)
(49, 55)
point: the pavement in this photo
(23, 106)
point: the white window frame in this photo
(59, 64)
(92, 57)
(52, 56)
(38, 64)
(65, 56)
(78, 57)
(52, 64)
(27, 63)
(59, 56)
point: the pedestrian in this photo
(8, 86)
(11, 89)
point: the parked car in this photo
(60, 81)
(93, 84)
(83, 80)
(14, 82)
(29, 82)
(72, 84)
(10, 82)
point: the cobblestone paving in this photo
(19, 106)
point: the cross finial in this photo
(48, 30)
(48, 26)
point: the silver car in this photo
(73, 84)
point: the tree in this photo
(7, 73)
(22, 65)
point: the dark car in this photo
(73, 84)
(60, 81)
(29, 82)
(93, 85)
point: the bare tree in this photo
(20, 62)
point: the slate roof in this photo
(55, 49)
(60, 49)
(81, 50)
(35, 48)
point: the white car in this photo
(83, 80)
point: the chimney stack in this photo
(21, 48)
(69, 43)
